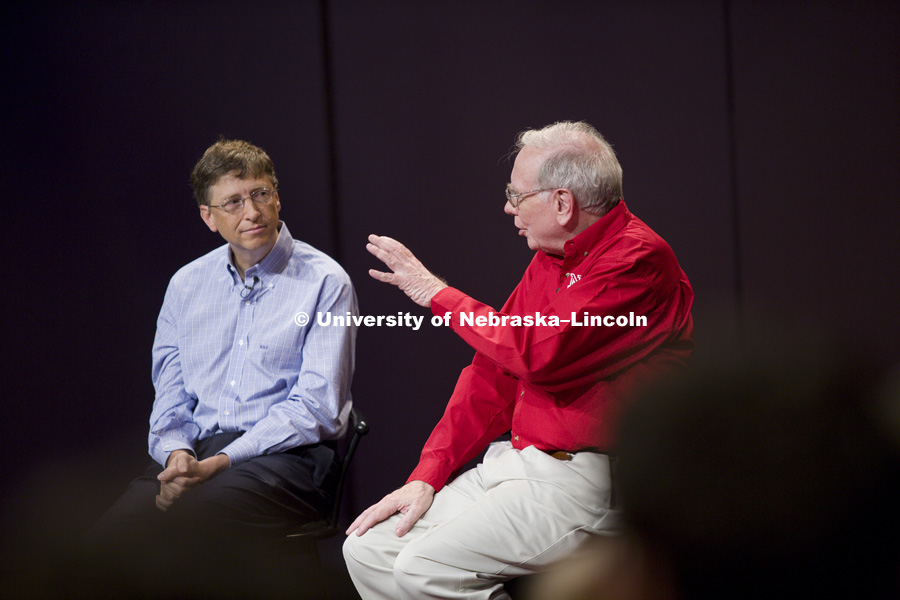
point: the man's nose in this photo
(251, 211)
(509, 209)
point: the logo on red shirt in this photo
(572, 279)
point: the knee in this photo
(415, 572)
(387, 564)
(361, 554)
(352, 548)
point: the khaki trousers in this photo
(516, 513)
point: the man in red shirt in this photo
(603, 306)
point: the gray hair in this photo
(579, 159)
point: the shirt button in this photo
(226, 412)
(232, 383)
(241, 343)
(246, 304)
(517, 438)
(522, 394)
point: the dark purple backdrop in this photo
(761, 139)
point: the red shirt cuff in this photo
(446, 301)
(433, 473)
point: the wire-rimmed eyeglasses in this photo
(515, 198)
(259, 196)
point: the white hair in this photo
(579, 159)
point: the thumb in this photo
(382, 276)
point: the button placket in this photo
(240, 343)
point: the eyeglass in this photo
(516, 198)
(260, 197)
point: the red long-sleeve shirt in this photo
(559, 386)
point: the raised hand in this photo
(408, 273)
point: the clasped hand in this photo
(183, 473)
(408, 273)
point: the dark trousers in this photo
(223, 529)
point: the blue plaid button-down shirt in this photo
(227, 358)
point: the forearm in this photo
(480, 409)
(172, 425)
(297, 421)
(553, 349)
(172, 430)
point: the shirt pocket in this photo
(278, 350)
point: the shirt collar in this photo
(609, 224)
(274, 262)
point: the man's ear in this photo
(207, 217)
(566, 208)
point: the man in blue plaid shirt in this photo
(250, 391)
